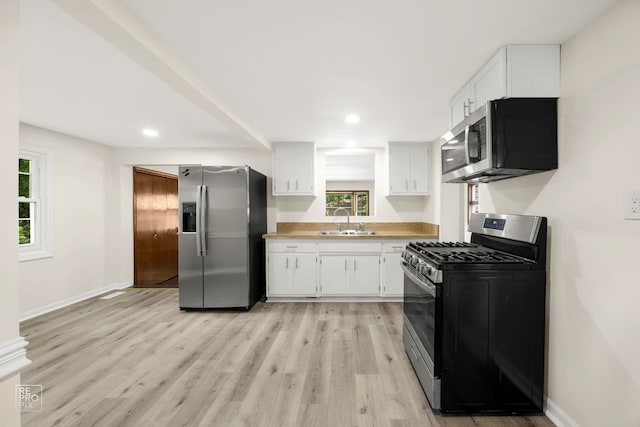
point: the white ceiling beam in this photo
(118, 26)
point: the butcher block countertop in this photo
(384, 230)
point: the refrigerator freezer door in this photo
(189, 263)
(226, 274)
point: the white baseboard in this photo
(72, 300)
(558, 416)
(334, 299)
(13, 357)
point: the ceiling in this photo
(239, 73)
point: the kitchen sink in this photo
(347, 233)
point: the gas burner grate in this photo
(445, 245)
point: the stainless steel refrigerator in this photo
(221, 252)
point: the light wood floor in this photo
(137, 360)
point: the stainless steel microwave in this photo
(502, 139)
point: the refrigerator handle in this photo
(202, 235)
(198, 216)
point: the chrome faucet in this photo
(346, 211)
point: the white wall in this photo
(9, 79)
(594, 284)
(387, 209)
(84, 219)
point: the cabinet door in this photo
(365, 275)
(490, 82)
(302, 159)
(282, 169)
(393, 275)
(279, 274)
(304, 274)
(334, 275)
(458, 106)
(399, 169)
(419, 165)
(293, 168)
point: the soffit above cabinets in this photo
(237, 73)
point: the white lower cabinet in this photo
(335, 268)
(292, 274)
(391, 272)
(292, 268)
(357, 275)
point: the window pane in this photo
(24, 165)
(24, 231)
(24, 185)
(363, 204)
(23, 210)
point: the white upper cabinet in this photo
(293, 168)
(408, 169)
(515, 71)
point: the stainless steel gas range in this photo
(474, 316)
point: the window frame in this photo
(40, 206)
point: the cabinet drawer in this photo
(349, 247)
(292, 246)
(394, 246)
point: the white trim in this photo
(43, 248)
(558, 416)
(334, 299)
(13, 357)
(72, 300)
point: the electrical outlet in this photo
(632, 205)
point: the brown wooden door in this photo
(155, 227)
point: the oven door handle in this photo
(428, 287)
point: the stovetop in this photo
(432, 259)
(462, 253)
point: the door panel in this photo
(334, 274)
(279, 274)
(189, 263)
(143, 229)
(365, 278)
(226, 279)
(155, 221)
(304, 277)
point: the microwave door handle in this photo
(466, 146)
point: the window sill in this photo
(32, 254)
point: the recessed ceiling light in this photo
(150, 133)
(352, 118)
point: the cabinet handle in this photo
(406, 184)
(296, 263)
(288, 185)
(292, 247)
(415, 185)
(354, 265)
(296, 185)
(470, 102)
(464, 109)
(287, 263)
(345, 265)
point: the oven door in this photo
(423, 312)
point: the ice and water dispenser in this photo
(189, 217)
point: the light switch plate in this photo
(632, 205)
